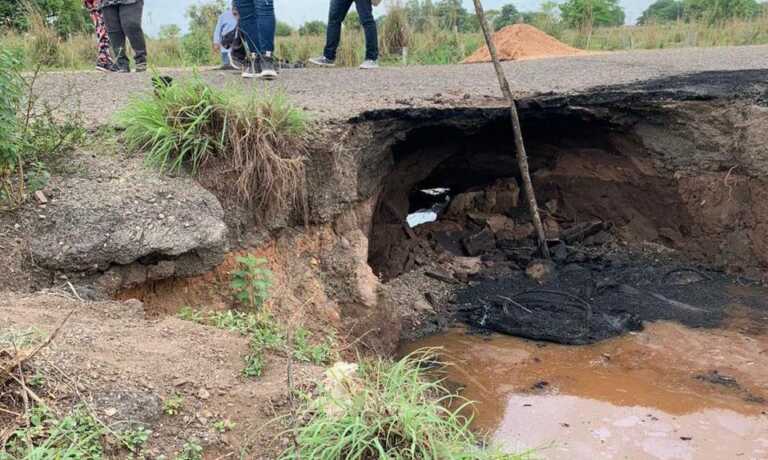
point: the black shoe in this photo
(107, 67)
(252, 68)
(268, 71)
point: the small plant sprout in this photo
(188, 313)
(173, 404)
(135, 438)
(222, 426)
(251, 281)
(192, 451)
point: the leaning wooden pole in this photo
(522, 157)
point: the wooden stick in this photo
(522, 157)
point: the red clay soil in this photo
(521, 41)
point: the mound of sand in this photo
(521, 41)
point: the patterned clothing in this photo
(94, 8)
(116, 2)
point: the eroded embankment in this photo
(678, 162)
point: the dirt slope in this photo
(125, 366)
(522, 41)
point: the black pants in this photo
(338, 12)
(125, 21)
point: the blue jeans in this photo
(224, 57)
(257, 24)
(336, 15)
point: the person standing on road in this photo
(226, 24)
(257, 25)
(123, 19)
(104, 59)
(336, 15)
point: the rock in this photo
(134, 406)
(464, 203)
(479, 243)
(116, 223)
(503, 196)
(598, 239)
(551, 228)
(342, 383)
(203, 394)
(582, 230)
(540, 270)
(467, 265)
(40, 197)
(423, 307)
(552, 206)
(559, 253)
(498, 223)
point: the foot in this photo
(252, 67)
(322, 61)
(369, 64)
(268, 71)
(107, 67)
(141, 67)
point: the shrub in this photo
(251, 145)
(393, 411)
(251, 281)
(396, 32)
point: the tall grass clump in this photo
(248, 146)
(11, 91)
(396, 31)
(389, 410)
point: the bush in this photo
(393, 411)
(247, 146)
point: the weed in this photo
(136, 438)
(222, 426)
(393, 411)
(173, 404)
(76, 436)
(190, 314)
(36, 380)
(251, 281)
(191, 451)
(303, 350)
(254, 363)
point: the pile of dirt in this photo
(521, 41)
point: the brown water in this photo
(636, 396)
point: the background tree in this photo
(65, 16)
(205, 15)
(283, 29)
(313, 28)
(506, 17)
(662, 11)
(720, 10)
(451, 15)
(169, 32)
(584, 14)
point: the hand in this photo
(217, 47)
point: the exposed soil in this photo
(523, 41)
(124, 365)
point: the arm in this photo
(217, 32)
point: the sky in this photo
(295, 12)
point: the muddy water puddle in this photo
(668, 392)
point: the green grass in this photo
(394, 412)
(74, 437)
(246, 145)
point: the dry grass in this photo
(247, 147)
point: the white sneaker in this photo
(322, 61)
(369, 64)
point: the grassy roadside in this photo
(433, 47)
